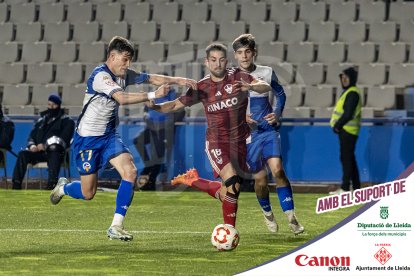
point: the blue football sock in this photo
(285, 198)
(265, 204)
(74, 190)
(124, 197)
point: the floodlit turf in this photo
(171, 234)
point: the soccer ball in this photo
(225, 237)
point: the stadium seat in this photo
(290, 31)
(318, 96)
(193, 70)
(108, 12)
(270, 52)
(165, 12)
(41, 92)
(371, 12)
(79, 12)
(111, 29)
(137, 12)
(39, 73)
(51, 13)
(253, 12)
(12, 73)
(15, 100)
(400, 75)
(173, 31)
(382, 31)
(392, 52)
(202, 32)
(181, 52)
(94, 52)
(28, 32)
(360, 52)
(381, 97)
(9, 52)
(56, 32)
(34, 52)
(322, 112)
(340, 12)
(70, 73)
(282, 12)
(136, 111)
(284, 72)
(296, 113)
(228, 31)
(263, 32)
(411, 54)
(226, 11)
(300, 52)
(158, 68)
(85, 31)
(352, 32)
(22, 13)
(312, 11)
(401, 11)
(143, 32)
(6, 32)
(73, 95)
(407, 31)
(331, 52)
(371, 73)
(3, 12)
(195, 12)
(62, 52)
(294, 95)
(320, 31)
(310, 73)
(151, 52)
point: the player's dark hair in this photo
(120, 44)
(244, 40)
(216, 47)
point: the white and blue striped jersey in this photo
(259, 104)
(101, 115)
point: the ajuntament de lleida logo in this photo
(384, 212)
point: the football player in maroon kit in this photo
(224, 94)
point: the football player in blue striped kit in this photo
(96, 143)
(263, 147)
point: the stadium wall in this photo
(310, 153)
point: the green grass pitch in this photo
(171, 234)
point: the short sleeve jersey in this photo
(225, 108)
(101, 115)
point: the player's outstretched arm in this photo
(124, 98)
(258, 86)
(166, 107)
(161, 79)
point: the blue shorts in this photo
(92, 153)
(261, 147)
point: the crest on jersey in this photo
(86, 166)
(228, 88)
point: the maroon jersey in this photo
(225, 109)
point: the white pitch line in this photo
(98, 231)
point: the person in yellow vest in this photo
(346, 122)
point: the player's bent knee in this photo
(234, 184)
(130, 174)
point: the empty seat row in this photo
(307, 11)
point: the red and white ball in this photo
(225, 237)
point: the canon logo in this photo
(222, 104)
(304, 260)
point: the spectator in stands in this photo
(48, 141)
(154, 143)
(346, 121)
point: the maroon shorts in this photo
(222, 153)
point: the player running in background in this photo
(264, 146)
(224, 94)
(97, 143)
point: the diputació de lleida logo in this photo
(384, 212)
